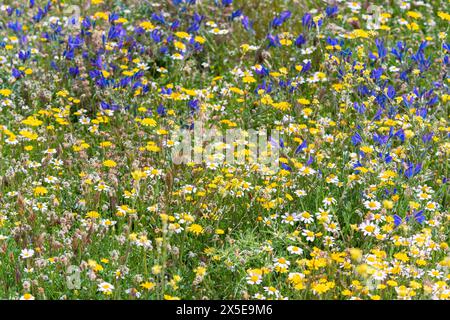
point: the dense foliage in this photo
(93, 205)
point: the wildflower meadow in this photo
(224, 149)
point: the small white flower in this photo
(295, 250)
(105, 287)
(27, 296)
(272, 291)
(306, 217)
(372, 204)
(26, 253)
(368, 228)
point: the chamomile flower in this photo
(289, 218)
(272, 291)
(372, 205)
(105, 288)
(306, 217)
(27, 296)
(328, 201)
(26, 253)
(295, 250)
(254, 278)
(368, 228)
(309, 235)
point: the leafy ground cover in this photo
(94, 205)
